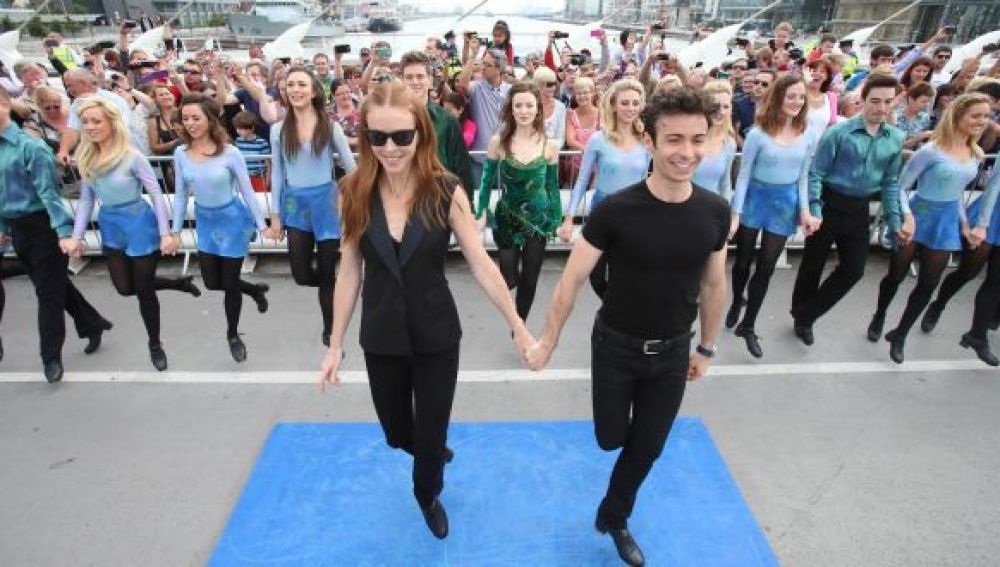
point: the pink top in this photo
(469, 132)
(582, 134)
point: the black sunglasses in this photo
(762, 83)
(399, 137)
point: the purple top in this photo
(121, 184)
(214, 183)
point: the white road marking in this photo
(495, 376)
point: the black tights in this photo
(136, 275)
(223, 274)
(932, 265)
(969, 266)
(301, 246)
(520, 269)
(988, 297)
(767, 258)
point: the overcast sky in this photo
(495, 6)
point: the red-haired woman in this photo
(399, 208)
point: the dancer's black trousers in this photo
(845, 223)
(636, 397)
(413, 397)
(37, 246)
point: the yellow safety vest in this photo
(64, 55)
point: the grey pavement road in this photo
(875, 467)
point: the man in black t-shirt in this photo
(665, 242)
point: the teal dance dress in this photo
(529, 204)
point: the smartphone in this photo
(597, 33)
(342, 48)
(384, 52)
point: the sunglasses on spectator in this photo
(192, 72)
(762, 83)
(379, 138)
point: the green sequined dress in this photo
(529, 202)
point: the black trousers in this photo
(37, 246)
(845, 223)
(636, 397)
(413, 397)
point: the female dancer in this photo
(132, 232)
(616, 155)
(986, 314)
(523, 164)
(304, 190)
(213, 170)
(714, 173)
(771, 196)
(941, 169)
(399, 209)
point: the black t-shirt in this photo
(656, 252)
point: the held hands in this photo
(329, 372)
(71, 247)
(905, 232)
(169, 245)
(975, 236)
(537, 355)
(275, 231)
(565, 230)
(810, 224)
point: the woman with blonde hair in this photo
(132, 232)
(522, 163)
(615, 156)
(53, 115)
(553, 110)
(582, 121)
(940, 169)
(714, 173)
(771, 196)
(399, 209)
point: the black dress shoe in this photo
(733, 315)
(804, 332)
(896, 344)
(158, 357)
(237, 348)
(628, 549)
(436, 518)
(982, 348)
(187, 286)
(875, 327)
(931, 317)
(752, 340)
(53, 371)
(260, 297)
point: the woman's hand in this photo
(329, 372)
(810, 224)
(975, 236)
(565, 230)
(169, 245)
(275, 231)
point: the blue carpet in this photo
(516, 494)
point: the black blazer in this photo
(406, 306)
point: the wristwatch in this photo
(705, 351)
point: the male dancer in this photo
(855, 159)
(32, 213)
(665, 241)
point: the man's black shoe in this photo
(752, 340)
(981, 347)
(237, 348)
(436, 518)
(804, 332)
(896, 344)
(94, 338)
(628, 549)
(53, 371)
(158, 357)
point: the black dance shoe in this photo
(94, 338)
(931, 317)
(187, 286)
(896, 344)
(53, 371)
(158, 357)
(260, 297)
(804, 331)
(436, 518)
(875, 327)
(982, 348)
(733, 315)
(237, 348)
(752, 340)
(628, 549)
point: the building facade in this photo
(971, 18)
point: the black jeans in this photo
(636, 397)
(413, 397)
(845, 223)
(37, 246)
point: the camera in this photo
(742, 41)
(129, 24)
(795, 54)
(342, 48)
(577, 59)
(658, 26)
(991, 47)
(559, 35)
(142, 65)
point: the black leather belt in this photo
(647, 346)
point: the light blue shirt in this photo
(767, 161)
(213, 183)
(615, 169)
(485, 104)
(306, 170)
(714, 173)
(938, 176)
(121, 184)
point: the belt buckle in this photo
(647, 344)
